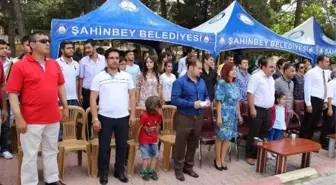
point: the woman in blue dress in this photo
(227, 96)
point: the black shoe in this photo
(103, 180)
(55, 183)
(191, 173)
(325, 148)
(153, 175)
(217, 167)
(225, 167)
(145, 176)
(121, 177)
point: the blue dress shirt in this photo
(185, 92)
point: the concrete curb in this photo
(294, 175)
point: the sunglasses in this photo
(43, 41)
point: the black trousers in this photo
(86, 104)
(311, 120)
(5, 132)
(120, 128)
(258, 127)
(329, 126)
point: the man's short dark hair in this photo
(32, 37)
(8, 44)
(90, 41)
(128, 51)
(262, 62)
(190, 49)
(64, 43)
(110, 50)
(3, 42)
(24, 39)
(227, 56)
(240, 59)
(280, 62)
(320, 58)
(288, 65)
(208, 56)
(191, 61)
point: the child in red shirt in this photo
(150, 122)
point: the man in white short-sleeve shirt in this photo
(260, 98)
(182, 67)
(116, 90)
(70, 70)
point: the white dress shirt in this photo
(331, 86)
(70, 72)
(262, 88)
(182, 65)
(88, 69)
(314, 84)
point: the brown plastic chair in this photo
(243, 129)
(133, 144)
(70, 142)
(168, 134)
(208, 132)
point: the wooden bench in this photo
(331, 148)
(284, 148)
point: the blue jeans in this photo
(70, 102)
(274, 134)
(149, 151)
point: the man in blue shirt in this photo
(243, 76)
(190, 96)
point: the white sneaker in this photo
(7, 155)
(269, 156)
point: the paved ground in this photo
(239, 171)
(322, 179)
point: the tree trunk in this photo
(178, 5)
(163, 8)
(205, 12)
(11, 28)
(17, 12)
(87, 6)
(298, 13)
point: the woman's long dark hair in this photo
(155, 69)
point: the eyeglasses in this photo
(301, 67)
(43, 41)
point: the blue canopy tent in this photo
(310, 32)
(236, 29)
(126, 19)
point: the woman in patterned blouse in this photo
(148, 82)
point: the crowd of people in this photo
(34, 86)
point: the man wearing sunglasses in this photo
(40, 82)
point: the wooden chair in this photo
(168, 135)
(70, 142)
(132, 143)
(95, 146)
(208, 132)
(243, 129)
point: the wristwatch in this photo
(94, 120)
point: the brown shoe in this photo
(179, 176)
(250, 161)
(191, 173)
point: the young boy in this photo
(122, 64)
(150, 122)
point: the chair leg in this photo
(20, 153)
(79, 157)
(88, 157)
(166, 156)
(229, 151)
(61, 156)
(94, 161)
(237, 150)
(200, 154)
(131, 160)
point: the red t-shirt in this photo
(38, 89)
(148, 133)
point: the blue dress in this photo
(229, 95)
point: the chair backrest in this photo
(299, 106)
(76, 116)
(244, 108)
(208, 120)
(134, 128)
(168, 117)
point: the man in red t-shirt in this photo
(39, 81)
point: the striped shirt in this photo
(287, 87)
